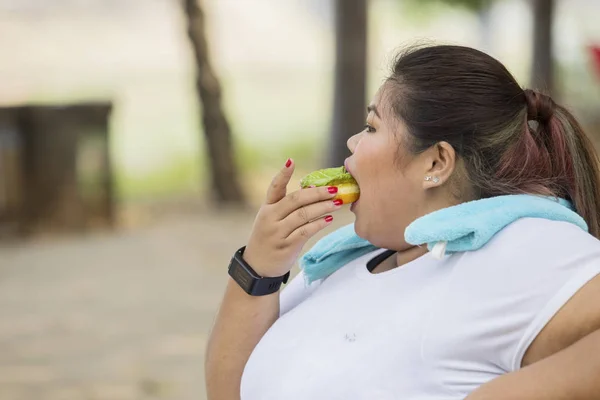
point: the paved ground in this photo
(115, 316)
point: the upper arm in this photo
(579, 317)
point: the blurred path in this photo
(122, 316)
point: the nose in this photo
(352, 142)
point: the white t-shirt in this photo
(430, 329)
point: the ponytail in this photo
(573, 166)
(585, 174)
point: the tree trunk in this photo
(542, 71)
(224, 177)
(350, 76)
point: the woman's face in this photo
(389, 176)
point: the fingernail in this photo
(332, 189)
(338, 202)
(328, 218)
(288, 163)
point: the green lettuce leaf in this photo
(327, 176)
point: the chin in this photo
(360, 230)
(380, 238)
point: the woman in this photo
(516, 318)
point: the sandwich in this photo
(348, 190)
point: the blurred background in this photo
(138, 137)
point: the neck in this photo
(400, 258)
(410, 254)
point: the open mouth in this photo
(348, 169)
(351, 174)
(353, 205)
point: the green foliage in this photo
(180, 176)
(474, 5)
(255, 156)
(423, 9)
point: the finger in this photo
(309, 213)
(305, 232)
(277, 189)
(303, 197)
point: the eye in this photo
(369, 128)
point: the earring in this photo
(434, 179)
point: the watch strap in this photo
(249, 280)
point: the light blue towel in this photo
(465, 227)
(332, 252)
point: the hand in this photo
(286, 222)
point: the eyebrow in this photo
(373, 108)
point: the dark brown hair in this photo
(511, 141)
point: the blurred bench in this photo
(55, 169)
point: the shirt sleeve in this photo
(586, 271)
(500, 297)
(295, 293)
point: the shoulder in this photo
(542, 242)
(538, 272)
(573, 312)
(578, 317)
(531, 254)
(558, 265)
(535, 229)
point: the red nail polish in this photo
(288, 163)
(328, 218)
(338, 202)
(332, 189)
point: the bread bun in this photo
(347, 192)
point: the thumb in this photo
(278, 187)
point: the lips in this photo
(348, 169)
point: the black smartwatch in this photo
(249, 280)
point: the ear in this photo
(440, 164)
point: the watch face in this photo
(241, 277)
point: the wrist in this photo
(260, 267)
(252, 281)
